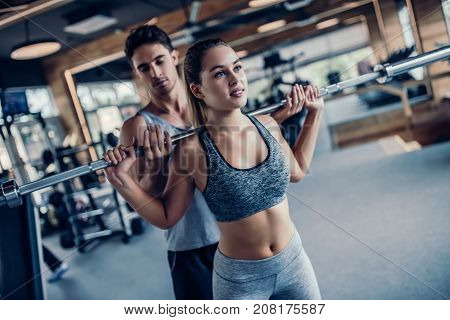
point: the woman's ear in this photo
(196, 91)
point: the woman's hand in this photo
(122, 159)
(295, 101)
(313, 101)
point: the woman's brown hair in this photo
(193, 65)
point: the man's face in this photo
(156, 66)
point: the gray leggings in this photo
(288, 275)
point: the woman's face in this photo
(224, 84)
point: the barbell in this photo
(11, 194)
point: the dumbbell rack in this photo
(82, 238)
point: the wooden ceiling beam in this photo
(113, 43)
(29, 11)
(263, 42)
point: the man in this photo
(192, 242)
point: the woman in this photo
(243, 166)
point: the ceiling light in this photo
(242, 53)
(182, 37)
(354, 20)
(271, 26)
(91, 24)
(351, 5)
(152, 21)
(261, 3)
(296, 5)
(35, 49)
(327, 23)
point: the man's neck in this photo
(172, 106)
(174, 102)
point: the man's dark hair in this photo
(146, 34)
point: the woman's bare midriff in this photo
(258, 236)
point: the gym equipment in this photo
(20, 272)
(86, 223)
(137, 225)
(11, 194)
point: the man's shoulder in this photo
(134, 121)
(132, 127)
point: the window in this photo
(5, 161)
(107, 105)
(403, 16)
(408, 35)
(86, 99)
(446, 11)
(105, 94)
(126, 93)
(39, 99)
(312, 59)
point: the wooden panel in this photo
(393, 28)
(432, 31)
(169, 22)
(428, 126)
(376, 41)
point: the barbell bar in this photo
(11, 194)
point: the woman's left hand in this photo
(313, 102)
(122, 159)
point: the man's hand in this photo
(157, 145)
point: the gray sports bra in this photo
(233, 193)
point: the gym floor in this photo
(374, 224)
